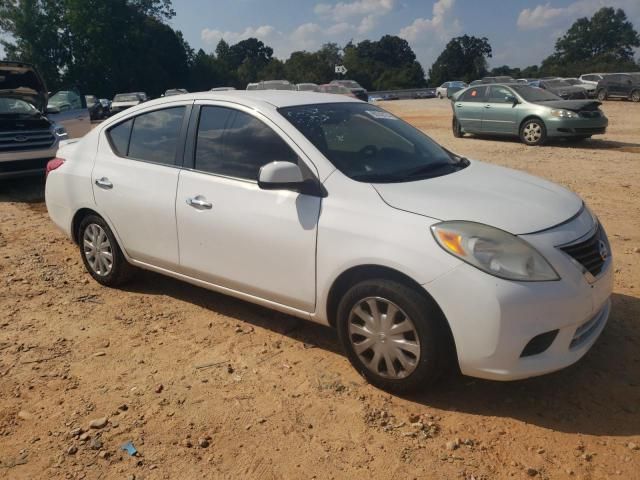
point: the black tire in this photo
(432, 334)
(540, 136)
(456, 128)
(120, 271)
(635, 96)
(602, 95)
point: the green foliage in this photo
(388, 63)
(464, 58)
(603, 43)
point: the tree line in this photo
(110, 46)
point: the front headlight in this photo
(561, 113)
(493, 251)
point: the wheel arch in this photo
(360, 273)
(531, 116)
(80, 215)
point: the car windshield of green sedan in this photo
(534, 94)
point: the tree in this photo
(605, 42)
(463, 58)
(388, 63)
(33, 27)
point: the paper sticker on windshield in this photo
(381, 115)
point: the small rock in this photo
(99, 354)
(636, 250)
(633, 446)
(76, 431)
(105, 344)
(203, 442)
(587, 456)
(159, 388)
(84, 437)
(230, 369)
(99, 422)
(104, 454)
(24, 415)
(541, 451)
(452, 445)
(414, 417)
(532, 472)
(72, 450)
(95, 443)
(187, 443)
(124, 407)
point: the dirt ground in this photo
(206, 386)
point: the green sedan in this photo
(527, 112)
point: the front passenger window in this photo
(499, 95)
(245, 146)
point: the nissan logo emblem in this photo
(604, 251)
(20, 138)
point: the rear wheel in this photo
(457, 128)
(635, 96)
(393, 335)
(602, 95)
(533, 132)
(101, 254)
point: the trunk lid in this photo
(22, 81)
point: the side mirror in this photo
(288, 176)
(52, 110)
(511, 99)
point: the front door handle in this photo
(199, 203)
(487, 106)
(104, 183)
(459, 105)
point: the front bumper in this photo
(494, 320)
(26, 162)
(569, 127)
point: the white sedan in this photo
(334, 210)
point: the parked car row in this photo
(342, 87)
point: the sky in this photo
(521, 32)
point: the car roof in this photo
(256, 98)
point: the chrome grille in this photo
(16, 141)
(589, 253)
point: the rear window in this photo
(475, 94)
(119, 137)
(151, 137)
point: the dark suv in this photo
(619, 85)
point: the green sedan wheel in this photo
(533, 132)
(457, 128)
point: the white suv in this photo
(338, 212)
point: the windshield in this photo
(66, 100)
(12, 106)
(457, 84)
(534, 94)
(369, 144)
(126, 97)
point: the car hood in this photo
(570, 89)
(132, 103)
(500, 197)
(573, 105)
(22, 81)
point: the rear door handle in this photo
(199, 203)
(487, 106)
(104, 183)
(459, 105)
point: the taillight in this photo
(53, 164)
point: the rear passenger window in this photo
(119, 137)
(476, 94)
(246, 144)
(154, 137)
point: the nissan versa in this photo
(336, 211)
(531, 113)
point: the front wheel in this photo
(457, 128)
(635, 96)
(602, 95)
(392, 335)
(533, 132)
(101, 254)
